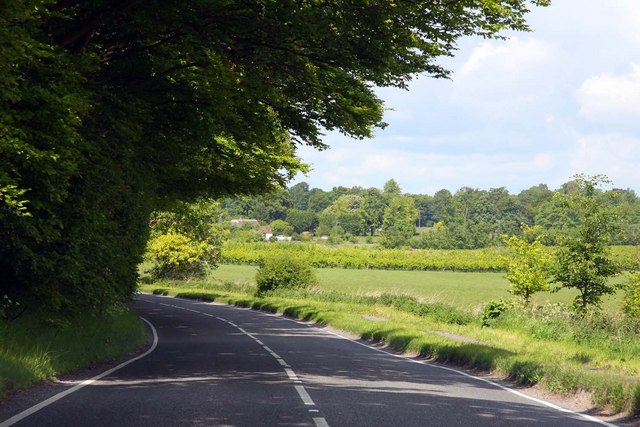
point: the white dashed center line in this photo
(302, 392)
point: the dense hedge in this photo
(366, 257)
(362, 257)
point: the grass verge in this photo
(561, 363)
(33, 350)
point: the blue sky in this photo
(536, 108)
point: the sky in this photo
(537, 108)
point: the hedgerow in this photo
(359, 257)
(366, 257)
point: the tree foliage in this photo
(528, 264)
(111, 109)
(631, 301)
(284, 272)
(177, 257)
(398, 222)
(280, 227)
(186, 238)
(583, 261)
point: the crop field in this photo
(364, 257)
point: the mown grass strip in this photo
(519, 357)
(466, 290)
(33, 350)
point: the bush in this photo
(493, 309)
(177, 257)
(436, 311)
(284, 273)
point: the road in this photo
(223, 366)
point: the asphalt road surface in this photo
(217, 365)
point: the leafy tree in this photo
(177, 257)
(398, 223)
(583, 260)
(424, 204)
(443, 207)
(528, 266)
(532, 198)
(373, 205)
(319, 200)
(195, 237)
(391, 188)
(302, 221)
(111, 110)
(347, 214)
(299, 196)
(280, 227)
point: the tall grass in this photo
(32, 349)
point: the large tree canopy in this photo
(111, 108)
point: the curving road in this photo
(217, 365)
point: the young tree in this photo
(528, 266)
(582, 260)
(398, 222)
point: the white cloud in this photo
(501, 78)
(615, 155)
(514, 56)
(428, 172)
(509, 115)
(610, 98)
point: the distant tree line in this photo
(467, 219)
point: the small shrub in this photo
(177, 257)
(436, 311)
(493, 309)
(284, 273)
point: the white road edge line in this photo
(517, 393)
(409, 359)
(22, 415)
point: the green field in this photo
(460, 289)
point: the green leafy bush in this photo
(281, 272)
(493, 309)
(177, 257)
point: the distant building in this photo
(243, 222)
(266, 231)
